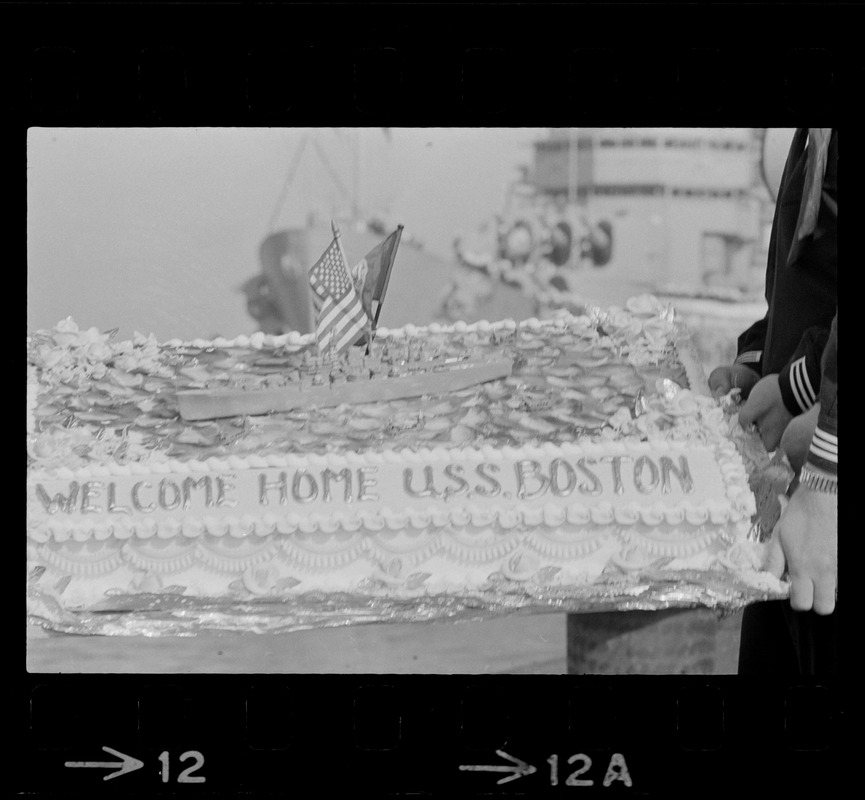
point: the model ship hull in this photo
(200, 404)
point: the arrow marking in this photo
(519, 769)
(128, 764)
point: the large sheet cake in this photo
(590, 472)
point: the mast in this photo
(573, 188)
(573, 169)
(355, 194)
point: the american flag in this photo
(340, 318)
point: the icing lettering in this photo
(190, 483)
(329, 475)
(495, 487)
(616, 462)
(113, 507)
(296, 487)
(556, 466)
(527, 469)
(682, 472)
(60, 502)
(223, 487)
(366, 483)
(553, 477)
(429, 489)
(136, 501)
(264, 486)
(454, 472)
(166, 486)
(640, 466)
(594, 487)
(90, 490)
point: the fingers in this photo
(749, 412)
(770, 436)
(824, 596)
(801, 593)
(794, 445)
(720, 381)
(796, 458)
(752, 414)
(744, 378)
(807, 594)
(796, 439)
(770, 423)
(775, 560)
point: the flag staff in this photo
(387, 275)
(336, 235)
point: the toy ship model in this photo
(365, 383)
(334, 377)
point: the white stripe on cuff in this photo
(825, 445)
(801, 385)
(749, 357)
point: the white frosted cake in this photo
(587, 452)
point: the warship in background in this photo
(602, 214)
(679, 211)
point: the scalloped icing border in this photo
(214, 557)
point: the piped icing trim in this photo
(259, 340)
(420, 456)
(447, 558)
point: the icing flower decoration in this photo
(621, 420)
(416, 580)
(645, 304)
(623, 323)
(59, 447)
(521, 566)
(70, 355)
(147, 582)
(260, 579)
(683, 403)
(548, 575)
(657, 329)
(44, 448)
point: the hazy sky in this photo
(154, 229)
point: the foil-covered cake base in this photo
(159, 614)
(144, 614)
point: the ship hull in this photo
(201, 404)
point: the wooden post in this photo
(672, 641)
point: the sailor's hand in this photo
(765, 409)
(723, 380)
(805, 539)
(796, 440)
